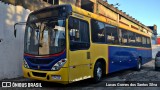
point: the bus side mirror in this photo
(15, 30)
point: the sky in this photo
(145, 11)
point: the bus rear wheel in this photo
(98, 72)
(139, 64)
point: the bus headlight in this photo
(59, 64)
(25, 63)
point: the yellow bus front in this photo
(55, 50)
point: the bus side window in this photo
(138, 40)
(70, 24)
(148, 42)
(120, 36)
(124, 37)
(144, 41)
(79, 34)
(131, 38)
(98, 31)
(74, 29)
(111, 34)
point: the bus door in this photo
(79, 53)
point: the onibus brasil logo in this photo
(20, 84)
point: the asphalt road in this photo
(147, 76)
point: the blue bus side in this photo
(121, 58)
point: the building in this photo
(13, 11)
(154, 35)
(158, 40)
(155, 40)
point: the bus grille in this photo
(40, 61)
(39, 74)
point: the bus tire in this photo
(98, 72)
(139, 64)
(156, 68)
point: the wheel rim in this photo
(99, 72)
(139, 65)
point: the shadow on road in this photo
(87, 82)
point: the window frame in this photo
(130, 43)
(122, 37)
(105, 34)
(93, 32)
(115, 42)
(148, 43)
(120, 32)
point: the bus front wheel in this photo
(97, 72)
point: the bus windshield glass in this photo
(44, 36)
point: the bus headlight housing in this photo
(58, 65)
(25, 63)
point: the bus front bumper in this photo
(60, 76)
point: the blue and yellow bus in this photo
(65, 44)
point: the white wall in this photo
(154, 39)
(153, 42)
(11, 48)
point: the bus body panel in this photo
(121, 58)
(99, 51)
(146, 54)
(79, 60)
(63, 72)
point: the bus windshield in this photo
(44, 36)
